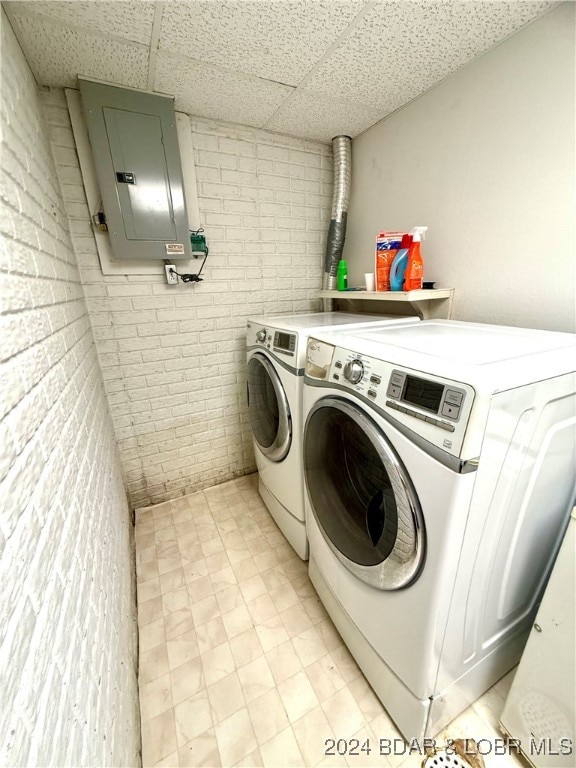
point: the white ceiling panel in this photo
(279, 40)
(129, 20)
(208, 91)
(400, 49)
(309, 68)
(316, 116)
(58, 54)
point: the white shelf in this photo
(427, 303)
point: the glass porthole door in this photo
(361, 495)
(268, 409)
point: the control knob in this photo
(353, 371)
(261, 335)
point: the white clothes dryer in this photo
(276, 353)
(439, 468)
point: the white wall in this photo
(486, 160)
(173, 358)
(67, 608)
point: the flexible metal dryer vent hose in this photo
(342, 153)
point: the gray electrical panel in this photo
(135, 148)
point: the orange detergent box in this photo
(387, 246)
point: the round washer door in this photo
(268, 409)
(361, 495)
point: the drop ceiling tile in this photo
(279, 40)
(400, 49)
(57, 54)
(316, 116)
(129, 20)
(391, 52)
(207, 91)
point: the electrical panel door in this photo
(137, 159)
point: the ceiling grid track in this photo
(341, 37)
(154, 40)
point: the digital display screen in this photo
(282, 340)
(424, 394)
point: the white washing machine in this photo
(276, 353)
(439, 467)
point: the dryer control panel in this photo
(437, 409)
(274, 339)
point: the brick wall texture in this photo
(67, 624)
(173, 358)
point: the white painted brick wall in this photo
(68, 694)
(173, 359)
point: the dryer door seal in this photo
(268, 409)
(361, 495)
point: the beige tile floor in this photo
(239, 663)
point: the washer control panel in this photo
(441, 401)
(436, 408)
